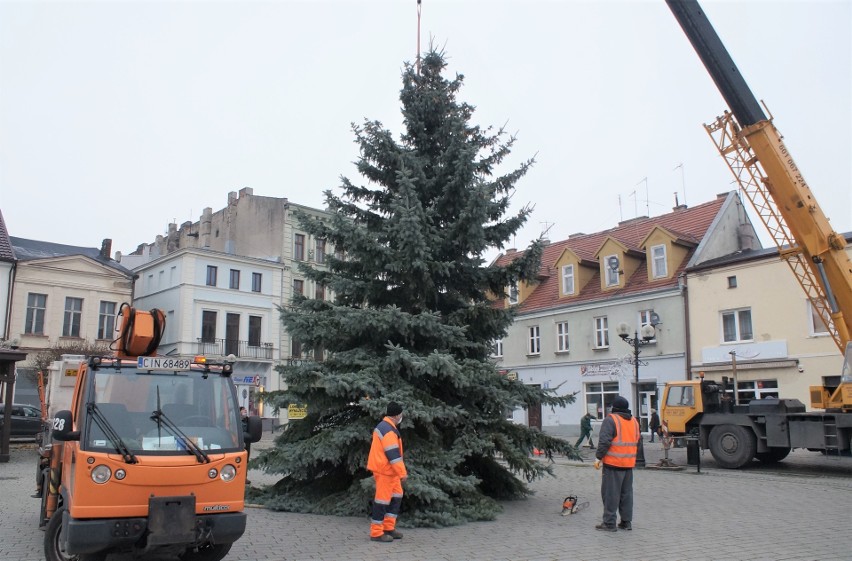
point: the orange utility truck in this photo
(146, 454)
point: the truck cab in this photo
(147, 455)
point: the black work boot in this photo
(624, 525)
(605, 528)
(395, 534)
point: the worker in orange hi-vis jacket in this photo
(385, 461)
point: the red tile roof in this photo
(689, 224)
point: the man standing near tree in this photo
(385, 461)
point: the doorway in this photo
(647, 401)
(534, 414)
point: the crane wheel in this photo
(732, 446)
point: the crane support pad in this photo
(171, 520)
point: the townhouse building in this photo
(594, 289)
(221, 306)
(256, 229)
(751, 322)
(62, 296)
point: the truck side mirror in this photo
(62, 427)
(254, 429)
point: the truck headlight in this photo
(101, 474)
(228, 472)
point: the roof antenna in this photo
(682, 181)
(418, 37)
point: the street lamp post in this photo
(637, 341)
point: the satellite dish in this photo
(612, 263)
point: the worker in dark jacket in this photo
(654, 424)
(585, 430)
(619, 440)
(385, 461)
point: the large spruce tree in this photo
(411, 320)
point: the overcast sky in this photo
(117, 118)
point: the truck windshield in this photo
(135, 403)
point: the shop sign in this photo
(295, 411)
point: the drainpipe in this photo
(681, 280)
(10, 293)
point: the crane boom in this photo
(755, 152)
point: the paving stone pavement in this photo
(797, 512)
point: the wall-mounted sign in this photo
(600, 369)
(297, 411)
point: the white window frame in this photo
(737, 315)
(497, 348)
(513, 294)
(36, 309)
(816, 328)
(299, 243)
(73, 317)
(660, 266)
(753, 387)
(645, 319)
(601, 332)
(612, 277)
(568, 279)
(562, 340)
(534, 347)
(600, 396)
(257, 282)
(319, 256)
(106, 319)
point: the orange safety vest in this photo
(386, 450)
(622, 451)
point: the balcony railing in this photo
(241, 349)
(299, 360)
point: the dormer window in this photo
(568, 279)
(611, 265)
(513, 294)
(659, 262)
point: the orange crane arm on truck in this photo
(757, 156)
(760, 161)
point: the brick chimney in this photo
(106, 248)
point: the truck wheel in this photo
(53, 537)
(774, 455)
(732, 446)
(207, 553)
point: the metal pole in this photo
(734, 373)
(636, 375)
(640, 453)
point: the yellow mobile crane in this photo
(755, 153)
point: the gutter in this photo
(10, 294)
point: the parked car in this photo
(26, 420)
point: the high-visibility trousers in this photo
(386, 504)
